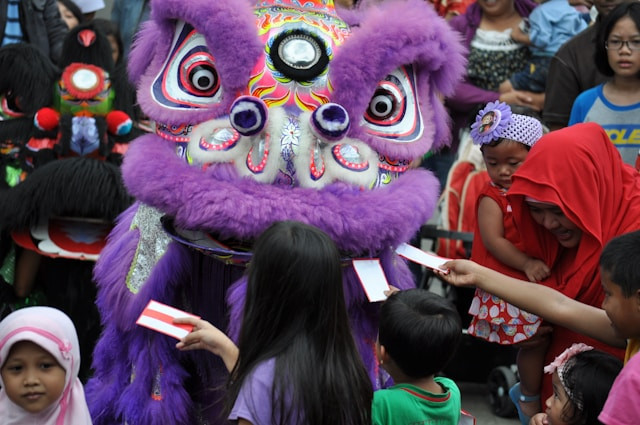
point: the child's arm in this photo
(206, 336)
(538, 299)
(490, 222)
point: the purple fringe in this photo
(360, 221)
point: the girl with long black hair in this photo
(296, 361)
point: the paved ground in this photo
(475, 400)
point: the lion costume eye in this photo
(393, 111)
(384, 105)
(189, 78)
(200, 77)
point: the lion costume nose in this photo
(330, 121)
(248, 115)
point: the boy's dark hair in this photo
(621, 259)
(588, 377)
(628, 8)
(420, 331)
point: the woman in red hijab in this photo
(569, 198)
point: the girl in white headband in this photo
(582, 378)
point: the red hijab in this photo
(579, 170)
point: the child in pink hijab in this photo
(39, 363)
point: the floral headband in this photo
(497, 121)
(560, 364)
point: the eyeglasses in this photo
(617, 44)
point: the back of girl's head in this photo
(497, 122)
(420, 331)
(630, 9)
(587, 378)
(295, 312)
(620, 258)
(295, 279)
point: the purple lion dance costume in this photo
(265, 111)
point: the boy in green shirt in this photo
(418, 335)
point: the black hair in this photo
(74, 9)
(499, 140)
(420, 330)
(630, 9)
(587, 378)
(295, 312)
(110, 28)
(97, 53)
(28, 76)
(620, 259)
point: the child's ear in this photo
(384, 356)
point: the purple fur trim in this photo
(232, 41)
(119, 310)
(139, 349)
(149, 350)
(360, 221)
(125, 347)
(111, 269)
(413, 33)
(111, 375)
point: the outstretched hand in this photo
(205, 336)
(461, 273)
(392, 290)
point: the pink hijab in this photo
(52, 330)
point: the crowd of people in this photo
(554, 259)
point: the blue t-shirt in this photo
(552, 23)
(622, 123)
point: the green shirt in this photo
(405, 404)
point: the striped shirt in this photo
(13, 31)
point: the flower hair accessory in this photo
(65, 348)
(490, 122)
(496, 121)
(560, 364)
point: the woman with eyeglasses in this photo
(615, 105)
